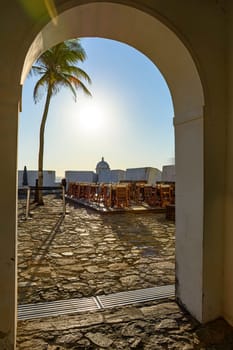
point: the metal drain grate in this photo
(136, 296)
(56, 308)
(72, 306)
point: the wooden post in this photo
(28, 202)
(36, 199)
(64, 200)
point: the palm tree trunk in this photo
(41, 146)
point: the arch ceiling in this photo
(139, 30)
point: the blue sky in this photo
(128, 119)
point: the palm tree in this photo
(57, 68)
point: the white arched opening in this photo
(169, 54)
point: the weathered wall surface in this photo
(228, 239)
(201, 27)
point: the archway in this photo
(159, 43)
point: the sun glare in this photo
(91, 118)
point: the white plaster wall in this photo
(169, 173)
(117, 175)
(153, 175)
(189, 210)
(49, 177)
(158, 177)
(104, 176)
(142, 174)
(79, 176)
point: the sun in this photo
(92, 118)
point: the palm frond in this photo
(57, 67)
(67, 83)
(78, 73)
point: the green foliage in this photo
(57, 68)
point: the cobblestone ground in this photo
(89, 254)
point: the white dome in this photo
(102, 165)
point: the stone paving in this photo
(150, 327)
(90, 254)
